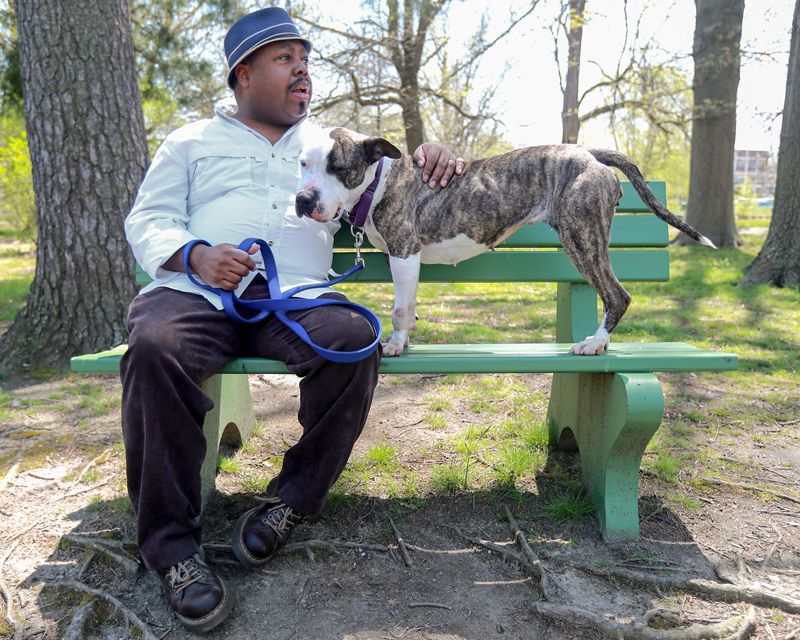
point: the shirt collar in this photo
(227, 108)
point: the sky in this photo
(529, 100)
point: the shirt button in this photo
(274, 206)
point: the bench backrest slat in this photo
(642, 230)
(635, 228)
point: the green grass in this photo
(701, 304)
(568, 506)
(383, 457)
(17, 264)
(228, 465)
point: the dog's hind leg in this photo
(586, 245)
(405, 276)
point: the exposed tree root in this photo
(737, 628)
(9, 476)
(13, 543)
(82, 615)
(714, 590)
(89, 465)
(108, 548)
(751, 487)
(124, 611)
(302, 545)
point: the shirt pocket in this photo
(215, 174)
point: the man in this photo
(223, 180)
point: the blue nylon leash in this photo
(280, 302)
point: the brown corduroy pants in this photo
(177, 340)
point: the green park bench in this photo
(607, 406)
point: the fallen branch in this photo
(737, 628)
(111, 550)
(498, 548)
(538, 568)
(401, 544)
(126, 613)
(434, 605)
(751, 487)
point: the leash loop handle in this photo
(280, 303)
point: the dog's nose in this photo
(305, 202)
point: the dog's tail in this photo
(619, 160)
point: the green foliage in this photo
(17, 207)
(654, 129)
(180, 67)
(10, 76)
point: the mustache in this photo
(298, 82)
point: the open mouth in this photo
(302, 89)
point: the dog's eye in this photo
(303, 163)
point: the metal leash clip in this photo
(359, 242)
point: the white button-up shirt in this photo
(219, 180)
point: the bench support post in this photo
(610, 418)
(229, 422)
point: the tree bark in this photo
(406, 54)
(570, 122)
(716, 52)
(778, 262)
(88, 151)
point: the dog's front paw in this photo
(592, 346)
(397, 342)
(392, 348)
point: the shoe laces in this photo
(282, 519)
(183, 574)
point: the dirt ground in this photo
(58, 519)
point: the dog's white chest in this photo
(452, 250)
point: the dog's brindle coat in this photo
(567, 186)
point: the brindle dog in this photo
(569, 187)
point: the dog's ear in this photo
(377, 148)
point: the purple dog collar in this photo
(358, 216)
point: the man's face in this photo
(275, 87)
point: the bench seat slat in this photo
(492, 358)
(516, 266)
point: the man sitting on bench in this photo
(222, 180)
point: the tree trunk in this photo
(88, 151)
(778, 263)
(570, 123)
(412, 119)
(405, 48)
(717, 35)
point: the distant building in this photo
(758, 167)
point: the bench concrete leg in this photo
(230, 422)
(610, 418)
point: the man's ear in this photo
(242, 72)
(377, 148)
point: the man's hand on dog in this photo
(438, 164)
(222, 266)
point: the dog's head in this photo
(336, 167)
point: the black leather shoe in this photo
(198, 597)
(260, 532)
